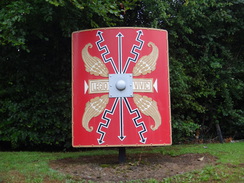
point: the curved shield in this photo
(120, 88)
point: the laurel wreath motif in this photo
(146, 105)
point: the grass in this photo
(229, 166)
(32, 167)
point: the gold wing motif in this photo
(93, 108)
(93, 64)
(148, 107)
(147, 63)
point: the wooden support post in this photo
(122, 154)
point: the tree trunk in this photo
(221, 140)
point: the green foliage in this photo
(35, 74)
(12, 16)
(183, 130)
(206, 64)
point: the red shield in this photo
(120, 87)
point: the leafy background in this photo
(206, 65)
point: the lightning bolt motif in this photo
(139, 69)
(133, 50)
(106, 51)
(135, 120)
(106, 124)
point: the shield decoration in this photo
(120, 88)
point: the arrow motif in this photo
(155, 85)
(135, 119)
(120, 35)
(133, 50)
(106, 51)
(121, 119)
(86, 86)
(143, 66)
(105, 125)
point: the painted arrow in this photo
(86, 86)
(120, 36)
(121, 120)
(106, 51)
(106, 124)
(133, 50)
(135, 120)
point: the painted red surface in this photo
(108, 127)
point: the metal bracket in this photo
(120, 85)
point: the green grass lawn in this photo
(33, 166)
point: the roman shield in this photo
(120, 88)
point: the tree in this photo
(206, 62)
(35, 74)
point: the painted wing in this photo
(93, 64)
(147, 63)
(148, 107)
(93, 108)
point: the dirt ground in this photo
(137, 166)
